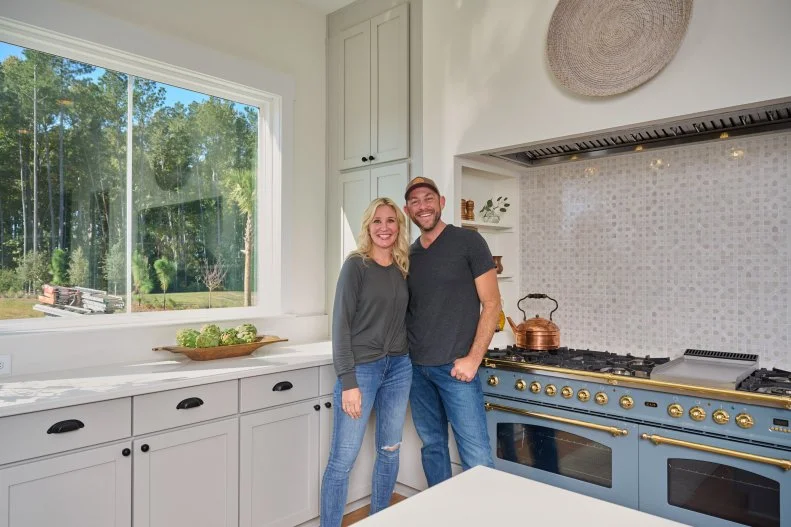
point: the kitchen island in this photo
(484, 496)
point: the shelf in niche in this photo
(483, 226)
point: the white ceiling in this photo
(326, 6)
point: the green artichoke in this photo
(211, 329)
(187, 337)
(229, 337)
(206, 340)
(247, 332)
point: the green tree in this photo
(33, 271)
(78, 268)
(115, 265)
(166, 272)
(59, 266)
(141, 281)
(240, 184)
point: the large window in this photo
(119, 194)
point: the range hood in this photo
(763, 118)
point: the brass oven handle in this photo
(616, 432)
(785, 464)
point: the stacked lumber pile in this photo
(80, 300)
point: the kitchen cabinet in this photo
(279, 469)
(359, 188)
(372, 71)
(188, 476)
(360, 476)
(91, 488)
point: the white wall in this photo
(486, 83)
(276, 46)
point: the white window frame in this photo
(268, 239)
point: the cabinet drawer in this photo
(279, 388)
(51, 431)
(163, 410)
(327, 379)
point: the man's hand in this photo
(352, 402)
(465, 368)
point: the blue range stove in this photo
(597, 423)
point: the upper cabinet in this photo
(372, 60)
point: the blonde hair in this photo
(401, 246)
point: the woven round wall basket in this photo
(606, 47)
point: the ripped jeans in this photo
(385, 387)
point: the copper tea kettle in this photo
(536, 333)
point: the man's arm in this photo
(489, 292)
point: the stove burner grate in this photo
(773, 382)
(585, 360)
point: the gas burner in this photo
(513, 355)
(775, 390)
(615, 370)
(772, 382)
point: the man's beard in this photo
(437, 217)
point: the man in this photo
(451, 275)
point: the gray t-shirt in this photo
(368, 319)
(444, 306)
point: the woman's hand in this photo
(352, 402)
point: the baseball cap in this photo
(420, 182)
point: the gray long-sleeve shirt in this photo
(368, 320)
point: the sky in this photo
(172, 93)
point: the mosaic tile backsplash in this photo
(654, 257)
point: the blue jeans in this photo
(437, 398)
(385, 389)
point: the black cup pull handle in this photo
(191, 402)
(69, 425)
(282, 386)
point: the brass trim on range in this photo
(761, 399)
(615, 432)
(785, 464)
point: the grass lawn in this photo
(11, 308)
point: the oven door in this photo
(708, 481)
(575, 451)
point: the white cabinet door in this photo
(188, 477)
(87, 489)
(279, 466)
(354, 58)
(355, 196)
(390, 182)
(360, 477)
(372, 76)
(390, 85)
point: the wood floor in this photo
(359, 514)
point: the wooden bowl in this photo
(223, 352)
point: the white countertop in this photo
(45, 391)
(484, 496)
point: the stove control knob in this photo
(744, 421)
(675, 410)
(601, 398)
(535, 387)
(551, 390)
(584, 395)
(493, 380)
(520, 385)
(697, 413)
(567, 392)
(721, 417)
(627, 403)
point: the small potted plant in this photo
(493, 209)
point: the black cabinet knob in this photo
(371, 158)
(328, 404)
(364, 159)
(317, 407)
(144, 448)
(126, 452)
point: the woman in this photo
(369, 350)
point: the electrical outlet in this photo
(5, 364)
